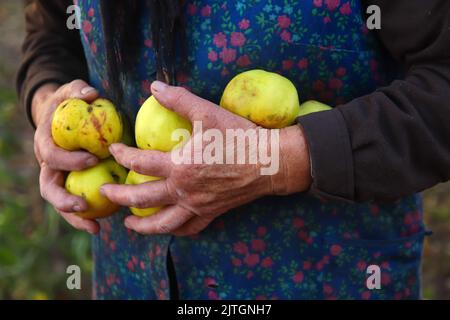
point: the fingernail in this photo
(86, 90)
(76, 208)
(102, 191)
(90, 162)
(159, 86)
(112, 148)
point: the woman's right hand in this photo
(55, 161)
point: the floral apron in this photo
(286, 247)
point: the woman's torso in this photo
(292, 247)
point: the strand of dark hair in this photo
(120, 21)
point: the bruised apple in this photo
(77, 125)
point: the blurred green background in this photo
(36, 245)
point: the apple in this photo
(312, 106)
(155, 124)
(86, 183)
(77, 125)
(265, 98)
(137, 178)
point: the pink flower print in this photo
(148, 43)
(346, 9)
(130, 265)
(361, 265)
(237, 39)
(212, 56)
(244, 24)
(298, 223)
(261, 231)
(228, 55)
(87, 26)
(298, 277)
(267, 262)
(192, 9)
(326, 20)
(332, 4)
(408, 219)
(385, 278)
(287, 64)
(258, 245)
(94, 47)
(209, 282)
(284, 21)
(286, 35)
(335, 250)
(318, 85)
(365, 295)
(220, 40)
(213, 295)
(303, 63)
(236, 262)
(317, 3)
(251, 260)
(327, 289)
(240, 247)
(91, 12)
(307, 265)
(341, 71)
(206, 11)
(335, 84)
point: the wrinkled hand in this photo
(195, 194)
(54, 160)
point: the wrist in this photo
(38, 106)
(294, 174)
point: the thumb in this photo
(77, 89)
(183, 102)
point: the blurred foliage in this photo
(36, 245)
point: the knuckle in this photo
(163, 228)
(178, 94)
(137, 201)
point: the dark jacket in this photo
(391, 143)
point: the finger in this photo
(59, 159)
(51, 184)
(193, 226)
(148, 162)
(79, 223)
(185, 103)
(76, 89)
(146, 195)
(164, 221)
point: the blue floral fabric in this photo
(290, 247)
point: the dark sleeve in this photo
(51, 52)
(395, 141)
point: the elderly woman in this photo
(345, 196)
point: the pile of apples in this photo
(265, 98)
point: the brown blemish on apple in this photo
(64, 105)
(98, 126)
(89, 109)
(115, 176)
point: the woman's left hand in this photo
(195, 194)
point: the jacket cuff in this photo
(34, 82)
(331, 154)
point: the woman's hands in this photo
(54, 160)
(195, 194)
